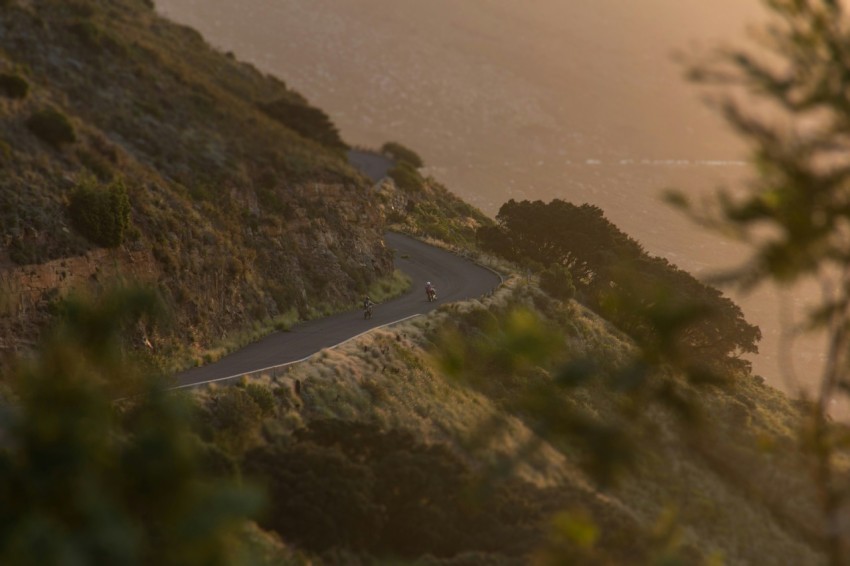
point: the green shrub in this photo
(95, 163)
(88, 33)
(22, 252)
(406, 177)
(402, 154)
(320, 497)
(396, 217)
(101, 214)
(262, 396)
(235, 415)
(81, 8)
(558, 282)
(5, 150)
(52, 127)
(13, 86)
(95, 38)
(310, 122)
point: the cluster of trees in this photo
(614, 274)
(13, 86)
(402, 154)
(52, 127)
(311, 122)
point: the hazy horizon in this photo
(582, 101)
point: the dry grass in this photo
(225, 199)
(432, 211)
(386, 378)
(383, 289)
(390, 287)
(738, 491)
(193, 357)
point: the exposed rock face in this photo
(27, 292)
(28, 284)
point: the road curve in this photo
(454, 277)
(370, 163)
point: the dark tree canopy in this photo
(579, 238)
(310, 122)
(402, 154)
(350, 485)
(614, 272)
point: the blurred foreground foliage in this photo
(788, 99)
(683, 448)
(311, 122)
(88, 480)
(524, 360)
(579, 251)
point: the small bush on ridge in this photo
(558, 282)
(402, 154)
(13, 86)
(406, 177)
(309, 121)
(52, 127)
(101, 214)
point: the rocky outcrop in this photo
(27, 292)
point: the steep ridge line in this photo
(455, 278)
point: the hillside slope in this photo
(242, 206)
(735, 488)
(130, 149)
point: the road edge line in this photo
(304, 359)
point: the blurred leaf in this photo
(84, 480)
(576, 527)
(676, 199)
(577, 372)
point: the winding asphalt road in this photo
(370, 163)
(454, 277)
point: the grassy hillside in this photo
(130, 149)
(430, 210)
(237, 199)
(732, 489)
(418, 204)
